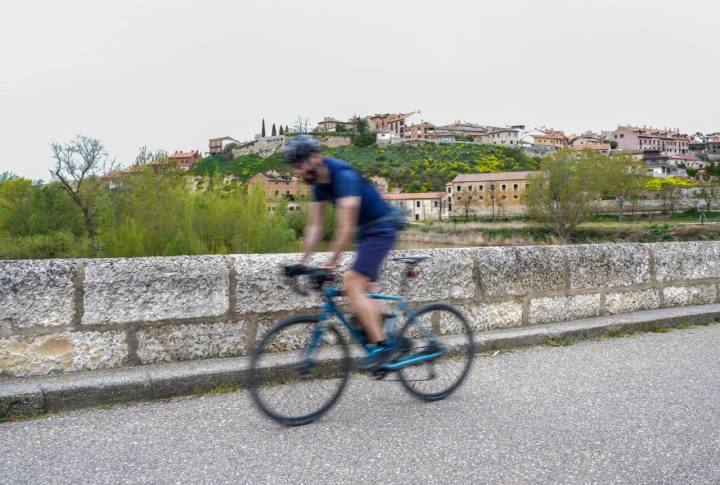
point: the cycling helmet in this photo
(300, 148)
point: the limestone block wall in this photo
(77, 315)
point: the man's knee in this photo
(355, 283)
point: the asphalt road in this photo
(640, 409)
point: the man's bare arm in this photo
(347, 212)
(313, 230)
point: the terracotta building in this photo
(185, 160)
(551, 138)
(279, 186)
(666, 141)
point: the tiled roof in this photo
(415, 196)
(488, 177)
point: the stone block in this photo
(99, 350)
(151, 289)
(524, 270)
(261, 288)
(632, 301)
(37, 293)
(689, 295)
(172, 343)
(486, 316)
(608, 265)
(562, 308)
(686, 260)
(446, 274)
(27, 356)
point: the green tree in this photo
(274, 130)
(262, 129)
(565, 191)
(16, 206)
(282, 131)
(613, 144)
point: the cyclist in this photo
(360, 211)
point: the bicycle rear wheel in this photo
(291, 387)
(438, 378)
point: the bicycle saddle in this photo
(411, 259)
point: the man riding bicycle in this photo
(359, 209)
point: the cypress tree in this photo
(262, 130)
(281, 130)
(274, 131)
(286, 130)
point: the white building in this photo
(424, 206)
(501, 136)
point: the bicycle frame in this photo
(329, 309)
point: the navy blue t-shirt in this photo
(345, 181)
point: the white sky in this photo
(172, 73)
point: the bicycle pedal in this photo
(379, 374)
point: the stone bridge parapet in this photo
(61, 316)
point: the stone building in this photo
(280, 186)
(488, 193)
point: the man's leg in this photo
(355, 288)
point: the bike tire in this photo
(275, 367)
(458, 356)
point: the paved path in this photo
(641, 409)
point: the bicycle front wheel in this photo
(438, 378)
(293, 382)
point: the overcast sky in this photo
(172, 73)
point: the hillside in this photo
(418, 167)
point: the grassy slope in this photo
(416, 167)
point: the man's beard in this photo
(311, 176)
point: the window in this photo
(470, 188)
(480, 197)
(277, 192)
(480, 187)
(504, 196)
(515, 186)
(503, 187)
(515, 196)
(527, 186)
(417, 217)
(435, 204)
(417, 204)
(492, 187)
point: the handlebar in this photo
(317, 277)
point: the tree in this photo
(613, 144)
(621, 177)
(145, 156)
(262, 130)
(565, 192)
(282, 131)
(274, 131)
(287, 130)
(671, 191)
(77, 165)
(302, 125)
(16, 205)
(709, 194)
(359, 125)
(467, 202)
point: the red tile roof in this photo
(415, 196)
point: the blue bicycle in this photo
(300, 367)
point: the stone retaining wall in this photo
(76, 315)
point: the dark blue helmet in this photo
(300, 147)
